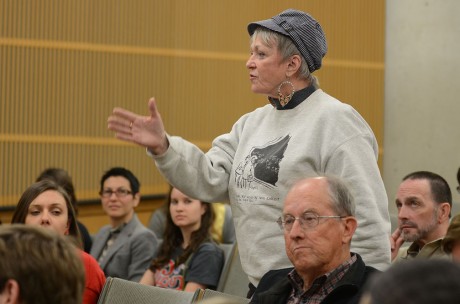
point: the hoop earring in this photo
(285, 99)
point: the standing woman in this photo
(188, 258)
(302, 132)
(46, 204)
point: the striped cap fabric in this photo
(304, 31)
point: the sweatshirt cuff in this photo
(155, 156)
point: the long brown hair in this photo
(172, 237)
(31, 193)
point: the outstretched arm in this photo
(147, 131)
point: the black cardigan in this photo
(275, 287)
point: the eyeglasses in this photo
(308, 220)
(119, 193)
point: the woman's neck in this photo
(118, 221)
(300, 84)
(296, 99)
(186, 236)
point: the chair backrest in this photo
(119, 291)
(219, 297)
(233, 280)
(228, 253)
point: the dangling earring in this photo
(285, 99)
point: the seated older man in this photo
(318, 223)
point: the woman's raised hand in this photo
(147, 131)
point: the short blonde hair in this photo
(286, 47)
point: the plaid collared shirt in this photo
(321, 286)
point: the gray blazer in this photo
(131, 253)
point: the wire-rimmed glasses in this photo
(307, 220)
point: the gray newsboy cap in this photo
(304, 31)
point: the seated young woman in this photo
(188, 258)
(48, 205)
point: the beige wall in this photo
(422, 91)
(66, 64)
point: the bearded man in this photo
(424, 203)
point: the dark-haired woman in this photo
(63, 179)
(188, 258)
(48, 205)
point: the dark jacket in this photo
(275, 287)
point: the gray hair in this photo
(286, 47)
(342, 200)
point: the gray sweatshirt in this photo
(267, 151)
